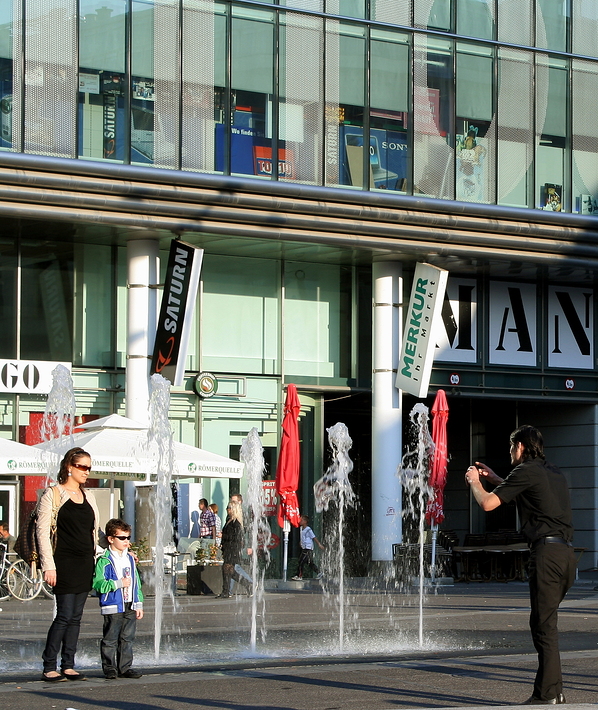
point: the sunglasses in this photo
(81, 467)
(121, 537)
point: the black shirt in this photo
(542, 497)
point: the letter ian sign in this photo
(419, 341)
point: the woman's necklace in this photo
(74, 494)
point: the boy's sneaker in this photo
(131, 673)
(296, 579)
(110, 674)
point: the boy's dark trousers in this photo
(306, 559)
(116, 647)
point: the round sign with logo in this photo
(205, 385)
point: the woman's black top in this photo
(232, 542)
(75, 548)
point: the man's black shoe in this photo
(131, 673)
(533, 700)
(110, 674)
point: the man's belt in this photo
(552, 539)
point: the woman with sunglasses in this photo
(69, 568)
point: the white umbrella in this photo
(22, 460)
(120, 447)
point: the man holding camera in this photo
(542, 497)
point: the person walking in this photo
(233, 538)
(69, 568)
(542, 497)
(306, 558)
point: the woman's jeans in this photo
(64, 632)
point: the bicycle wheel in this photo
(4, 590)
(22, 583)
(47, 590)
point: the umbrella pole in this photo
(433, 555)
(285, 558)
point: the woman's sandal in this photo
(53, 678)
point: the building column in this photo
(142, 309)
(386, 409)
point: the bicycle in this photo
(17, 579)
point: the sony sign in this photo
(28, 376)
(419, 333)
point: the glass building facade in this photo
(475, 100)
(298, 142)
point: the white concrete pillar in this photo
(386, 409)
(142, 317)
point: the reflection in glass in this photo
(101, 79)
(6, 75)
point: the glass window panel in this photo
(552, 23)
(515, 21)
(301, 109)
(239, 315)
(474, 141)
(8, 292)
(351, 8)
(93, 306)
(101, 79)
(252, 86)
(551, 128)
(515, 128)
(6, 74)
(433, 161)
(395, 12)
(389, 100)
(585, 27)
(351, 104)
(433, 14)
(585, 138)
(143, 89)
(317, 318)
(202, 58)
(46, 300)
(475, 18)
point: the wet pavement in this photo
(476, 652)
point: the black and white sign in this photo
(176, 312)
(512, 327)
(457, 336)
(570, 327)
(28, 376)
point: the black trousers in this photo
(551, 574)
(116, 647)
(64, 632)
(306, 559)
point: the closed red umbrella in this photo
(437, 477)
(287, 470)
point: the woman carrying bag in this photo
(68, 567)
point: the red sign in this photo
(270, 499)
(263, 162)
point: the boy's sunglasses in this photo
(81, 466)
(121, 537)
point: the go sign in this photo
(28, 376)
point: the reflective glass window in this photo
(102, 124)
(143, 85)
(475, 18)
(433, 108)
(252, 85)
(351, 101)
(301, 91)
(317, 321)
(552, 78)
(474, 139)
(584, 137)
(6, 74)
(8, 292)
(552, 24)
(389, 111)
(240, 315)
